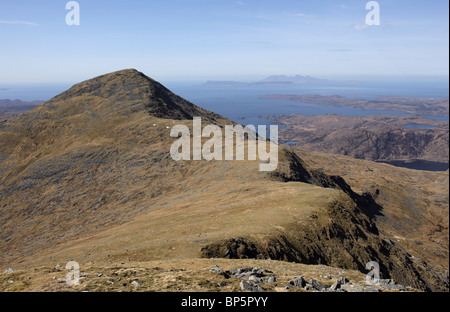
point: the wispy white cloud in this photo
(360, 26)
(339, 50)
(341, 6)
(239, 2)
(303, 15)
(16, 22)
(363, 26)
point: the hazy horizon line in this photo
(247, 78)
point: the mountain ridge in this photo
(137, 90)
(88, 176)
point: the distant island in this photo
(420, 106)
(274, 81)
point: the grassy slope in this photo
(85, 178)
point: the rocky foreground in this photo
(197, 275)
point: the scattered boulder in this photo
(371, 289)
(252, 277)
(216, 269)
(315, 285)
(270, 279)
(255, 278)
(250, 286)
(340, 281)
(390, 284)
(386, 282)
(309, 287)
(358, 288)
(352, 288)
(298, 282)
(254, 274)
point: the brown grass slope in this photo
(87, 176)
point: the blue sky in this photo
(221, 39)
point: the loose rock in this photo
(315, 284)
(250, 286)
(297, 282)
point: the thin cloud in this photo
(339, 50)
(364, 26)
(257, 42)
(19, 23)
(303, 15)
(341, 6)
(361, 26)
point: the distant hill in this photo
(297, 79)
(275, 80)
(12, 107)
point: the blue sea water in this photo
(32, 92)
(243, 104)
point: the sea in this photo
(244, 105)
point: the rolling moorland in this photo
(87, 176)
(374, 137)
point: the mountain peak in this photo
(124, 92)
